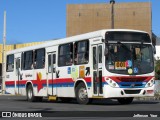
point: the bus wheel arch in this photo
(81, 92)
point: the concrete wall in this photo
(82, 18)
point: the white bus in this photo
(113, 63)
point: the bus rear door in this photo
(52, 90)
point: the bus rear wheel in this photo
(125, 100)
(30, 95)
(81, 94)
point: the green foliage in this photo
(157, 70)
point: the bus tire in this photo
(125, 100)
(30, 94)
(81, 94)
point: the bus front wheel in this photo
(125, 100)
(81, 94)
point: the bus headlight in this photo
(150, 83)
(111, 83)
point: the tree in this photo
(157, 70)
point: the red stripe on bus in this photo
(59, 80)
(9, 82)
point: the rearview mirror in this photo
(106, 52)
(154, 49)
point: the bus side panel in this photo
(10, 83)
(64, 82)
(40, 82)
(67, 79)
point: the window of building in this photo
(65, 57)
(28, 60)
(81, 55)
(39, 59)
(10, 63)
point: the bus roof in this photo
(100, 33)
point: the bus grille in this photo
(130, 85)
(132, 91)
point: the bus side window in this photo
(39, 58)
(10, 63)
(81, 55)
(28, 60)
(65, 56)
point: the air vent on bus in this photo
(132, 91)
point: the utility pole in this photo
(4, 55)
(112, 2)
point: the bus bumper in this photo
(110, 92)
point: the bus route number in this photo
(120, 65)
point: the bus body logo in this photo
(39, 81)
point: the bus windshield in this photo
(131, 59)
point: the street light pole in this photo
(112, 2)
(4, 55)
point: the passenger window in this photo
(39, 59)
(10, 63)
(28, 60)
(81, 55)
(65, 57)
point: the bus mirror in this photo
(154, 49)
(106, 52)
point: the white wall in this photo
(157, 48)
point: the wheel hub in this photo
(82, 93)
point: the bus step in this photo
(97, 97)
(52, 98)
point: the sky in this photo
(40, 20)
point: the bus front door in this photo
(52, 90)
(17, 61)
(97, 69)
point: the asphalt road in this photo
(99, 107)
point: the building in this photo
(83, 18)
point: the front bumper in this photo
(110, 92)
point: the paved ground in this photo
(99, 107)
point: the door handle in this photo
(54, 70)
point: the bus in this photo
(106, 64)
